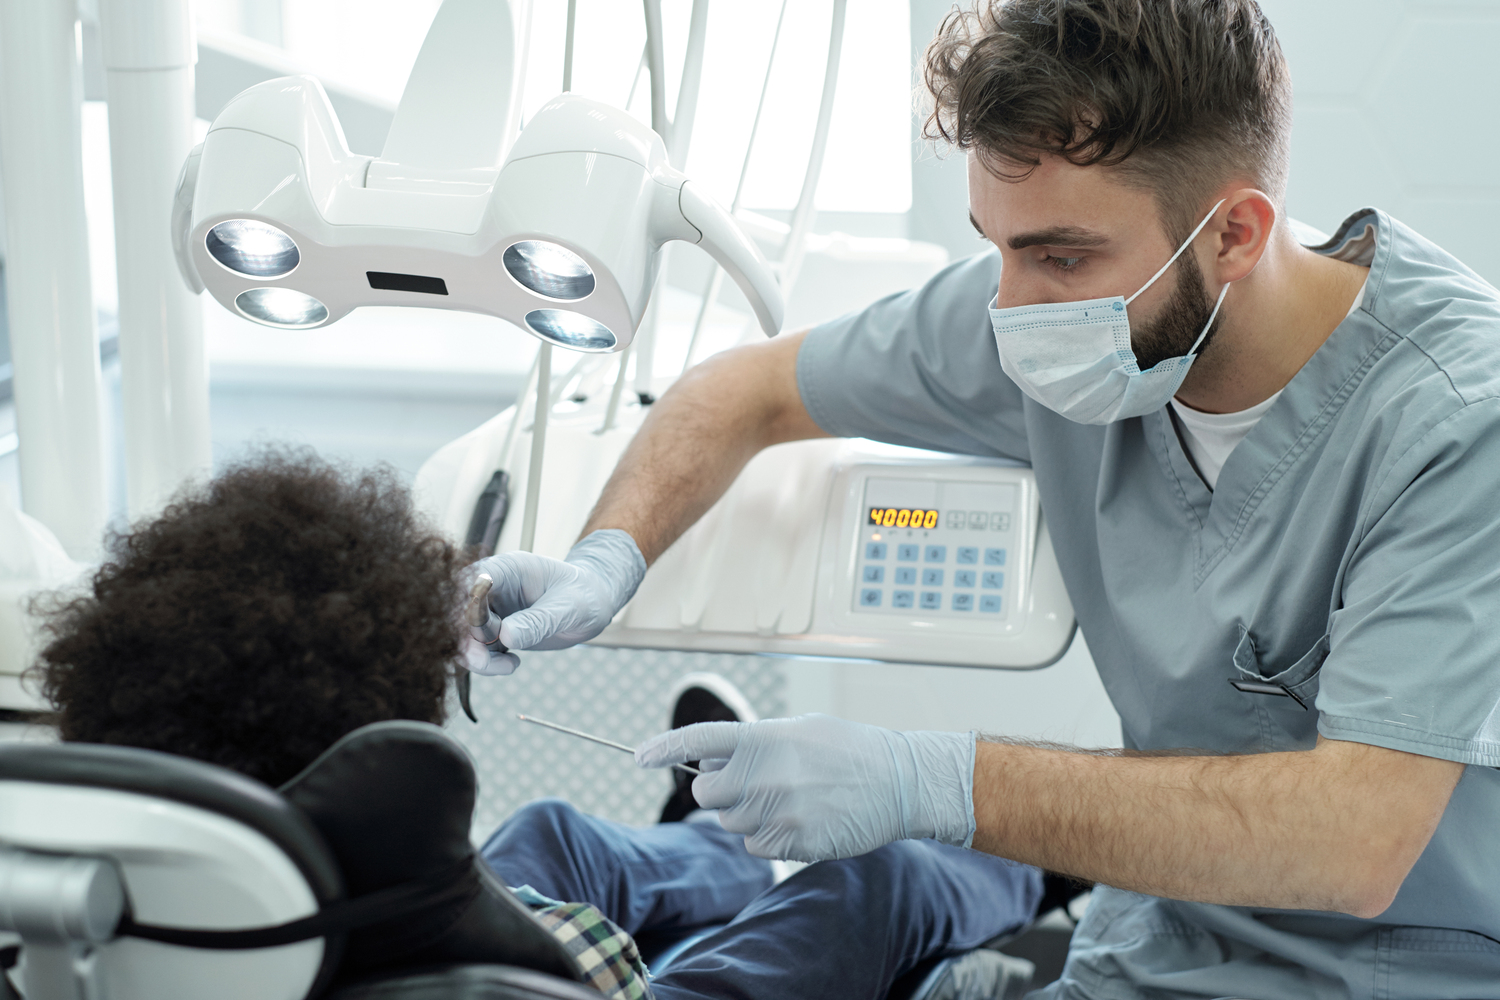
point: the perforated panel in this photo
(618, 694)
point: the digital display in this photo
(903, 517)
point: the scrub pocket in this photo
(1419, 963)
(1281, 698)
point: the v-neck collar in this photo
(1219, 517)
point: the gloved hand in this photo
(553, 604)
(816, 787)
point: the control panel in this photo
(938, 546)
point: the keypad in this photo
(953, 569)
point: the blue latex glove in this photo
(553, 604)
(816, 787)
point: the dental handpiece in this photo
(484, 625)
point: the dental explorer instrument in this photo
(596, 739)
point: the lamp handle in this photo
(739, 257)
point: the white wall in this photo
(1395, 108)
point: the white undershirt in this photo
(1210, 437)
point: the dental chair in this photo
(132, 874)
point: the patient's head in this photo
(258, 619)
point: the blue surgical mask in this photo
(1076, 358)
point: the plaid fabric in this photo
(608, 956)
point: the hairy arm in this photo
(698, 437)
(1334, 828)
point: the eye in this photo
(1063, 263)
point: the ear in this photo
(1243, 232)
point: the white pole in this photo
(794, 248)
(538, 446)
(149, 52)
(53, 338)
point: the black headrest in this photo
(394, 801)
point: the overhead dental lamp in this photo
(285, 226)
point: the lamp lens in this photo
(549, 269)
(254, 248)
(281, 307)
(571, 329)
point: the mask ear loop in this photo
(1193, 351)
(1186, 243)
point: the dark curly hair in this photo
(1180, 94)
(258, 619)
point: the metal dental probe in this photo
(484, 625)
(596, 739)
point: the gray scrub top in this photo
(1351, 553)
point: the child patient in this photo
(288, 602)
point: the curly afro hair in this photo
(258, 619)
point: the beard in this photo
(1172, 333)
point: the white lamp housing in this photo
(284, 225)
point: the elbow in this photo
(1368, 901)
(1370, 891)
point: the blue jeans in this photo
(845, 929)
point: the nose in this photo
(1016, 292)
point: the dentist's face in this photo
(1068, 233)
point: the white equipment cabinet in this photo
(790, 562)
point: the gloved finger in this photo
(480, 659)
(717, 790)
(746, 822)
(521, 579)
(703, 741)
(713, 765)
(532, 627)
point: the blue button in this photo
(994, 557)
(874, 574)
(906, 574)
(875, 550)
(993, 580)
(963, 602)
(932, 578)
(968, 555)
(901, 598)
(990, 603)
(932, 600)
(937, 553)
(962, 578)
(869, 598)
(907, 553)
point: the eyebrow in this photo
(1058, 236)
(977, 227)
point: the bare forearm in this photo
(1335, 828)
(697, 439)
